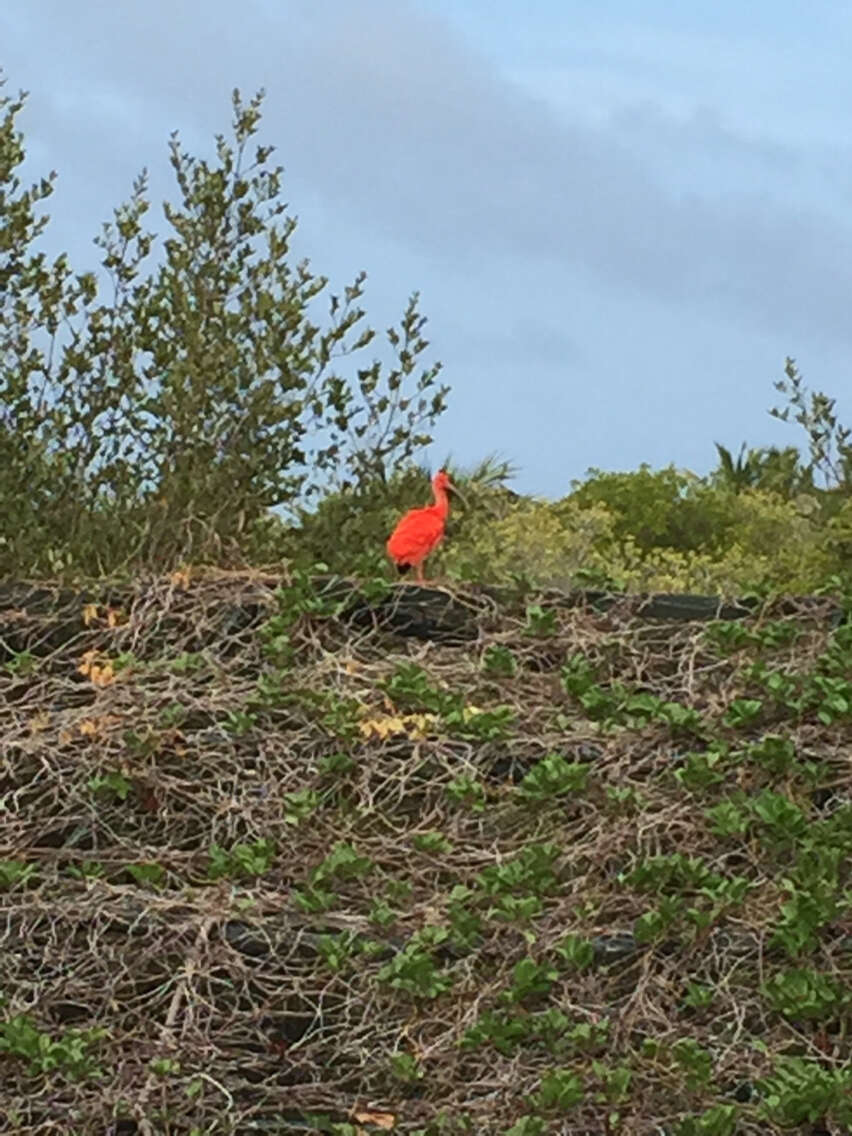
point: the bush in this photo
(546, 544)
(666, 508)
(163, 422)
(762, 541)
(348, 528)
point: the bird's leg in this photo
(420, 579)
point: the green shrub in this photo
(666, 508)
(163, 421)
(532, 540)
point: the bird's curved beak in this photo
(454, 489)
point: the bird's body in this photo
(420, 531)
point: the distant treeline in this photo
(205, 398)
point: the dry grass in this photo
(120, 751)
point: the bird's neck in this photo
(442, 502)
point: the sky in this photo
(621, 217)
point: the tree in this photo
(765, 467)
(664, 508)
(828, 439)
(203, 392)
(37, 300)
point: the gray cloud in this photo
(393, 119)
(412, 143)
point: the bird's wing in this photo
(416, 534)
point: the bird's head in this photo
(441, 482)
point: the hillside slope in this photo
(278, 860)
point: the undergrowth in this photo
(265, 867)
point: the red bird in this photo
(420, 531)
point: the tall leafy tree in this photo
(180, 403)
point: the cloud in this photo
(391, 117)
(596, 252)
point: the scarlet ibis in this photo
(420, 531)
